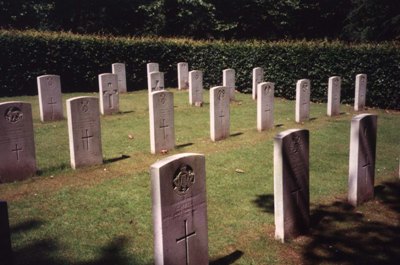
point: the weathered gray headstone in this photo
(17, 146)
(183, 76)
(195, 87)
(303, 88)
(120, 71)
(361, 92)
(84, 131)
(219, 113)
(151, 67)
(291, 183)
(6, 256)
(228, 80)
(180, 210)
(334, 87)
(156, 81)
(50, 99)
(162, 131)
(362, 158)
(265, 106)
(109, 95)
(258, 77)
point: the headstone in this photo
(334, 87)
(361, 92)
(84, 131)
(219, 113)
(109, 95)
(17, 146)
(362, 158)
(151, 67)
(119, 70)
(180, 210)
(156, 81)
(291, 184)
(195, 87)
(303, 88)
(265, 106)
(258, 77)
(5, 236)
(50, 99)
(162, 131)
(229, 82)
(183, 76)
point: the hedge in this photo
(78, 59)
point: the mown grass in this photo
(102, 214)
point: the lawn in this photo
(102, 214)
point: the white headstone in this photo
(162, 131)
(119, 70)
(219, 113)
(362, 158)
(291, 184)
(17, 146)
(195, 87)
(228, 80)
(258, 77)
(151, 67)
(109, 95)
(361, 92)
(180, 210)
(156, 81)
(303, 88)
(334, 87)
(50, 99)
(183, 76)
(265, 106)
(84, 131)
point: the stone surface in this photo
(183, 75)
(151, 67)
(258, 77)
(291, 184)
(195, 87)
(50, 99)
(362, 158)
(180, 210)
(156, 81)
(228, 80)
(84, 131)
(265, 106)
(303, 88)
(109, 94)
(162, 131)
(5, 236)
(120, 71)
(361, 92)
(219, 113)
(17, 146)
(334, 87)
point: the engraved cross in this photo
(17, 150)
(52, 103)
(186, 239)
(85, 139)
(164, 126)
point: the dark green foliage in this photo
(79, 60)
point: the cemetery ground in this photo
(102, 214)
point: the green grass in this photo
(102, 214)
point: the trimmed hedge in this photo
(78, 59)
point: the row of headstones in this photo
(179, 194)
(110, 85)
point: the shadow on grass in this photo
(47, 251)
(227, 260)
(111, 160)
(179, 146)
(279, 125)
(265, 202)
(59, 168)
(236, 134)
(341, 234)
(126, 112)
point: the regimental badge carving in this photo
(84, 105)
(221, 94)
(304, 86)
(196, 75)
(184, 178)
(296, 144)
(49, 81)
(163, 98)
(13, 114)
(267, 89)
(362, 79)
(336, 82)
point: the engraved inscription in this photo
(13, 114)
(183, 179)
(185, 239)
